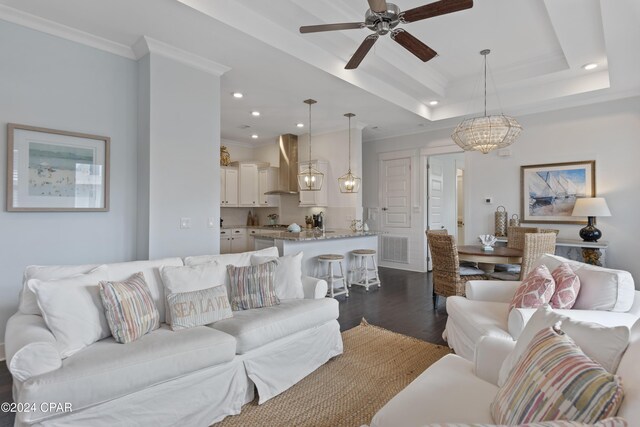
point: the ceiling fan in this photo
(383, 17)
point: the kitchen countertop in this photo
(314, 235)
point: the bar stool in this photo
(362, 271)
(330, 260)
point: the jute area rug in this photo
(349, 389)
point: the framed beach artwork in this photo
(55, 171)
(549, 192)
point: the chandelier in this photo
(488, 132)
(349, 183)
(309, 178)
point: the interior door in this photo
(435, 194)
(396, 193)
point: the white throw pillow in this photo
(72, 309)
(605, 345)
(191, 278)
(288, 274)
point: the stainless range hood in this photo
(288, 174)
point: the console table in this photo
(589, 252)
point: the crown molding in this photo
(46, 26)
(146, 45)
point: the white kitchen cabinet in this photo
(233, 240)
(228, 187)
(248, 184)
(251, 241)
(268, 181)
(315, 198)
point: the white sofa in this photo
(191, 377)
(456, 390)
(606, 296)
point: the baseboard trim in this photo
(2, 357)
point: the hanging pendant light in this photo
(349, 183)
(309, 178)
(488, 132)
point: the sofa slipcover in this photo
(448, 391)
(108, 370)
(260, 326)
(485, 309)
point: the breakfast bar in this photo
(314, 243)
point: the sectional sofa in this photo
(191, 377)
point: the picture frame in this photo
(50, 170)
(549, 191)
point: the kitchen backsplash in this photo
(290, 212)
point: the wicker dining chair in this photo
(447, 280)
(515, 236)
(536, 245)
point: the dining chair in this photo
(447, 280)
(515, 240)
(515, 236)
(535, 245)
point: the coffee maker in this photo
(318, 220)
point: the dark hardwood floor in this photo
(402, 304)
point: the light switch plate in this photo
(185, 222)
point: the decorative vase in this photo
(501, 221)
(514, 221)
(225, 157)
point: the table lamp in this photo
(591, 207)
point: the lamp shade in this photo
(591, 206)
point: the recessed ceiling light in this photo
(255, 113)
(433, 103)
(590, 66)
(300, 125)
(254, 136)
(237, 95)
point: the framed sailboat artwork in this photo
(549, 192)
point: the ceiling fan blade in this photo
(332, 27)
(437, 8)
(378, 6)
(362, 51)
(413, 45)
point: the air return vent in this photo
(395, 249)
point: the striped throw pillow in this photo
(129, 308)
(196, 308)
(609, 422)
(253, 286)
(555, 380)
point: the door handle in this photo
(385, 209)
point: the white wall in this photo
(184, 162)
(238, 150)
(606, 132)
(54, 83)
(333, 147)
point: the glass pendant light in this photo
(349, 183)
(486, 133)
(309, 178)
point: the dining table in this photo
(487, 259)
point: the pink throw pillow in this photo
(567, 287)
(536, 289)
